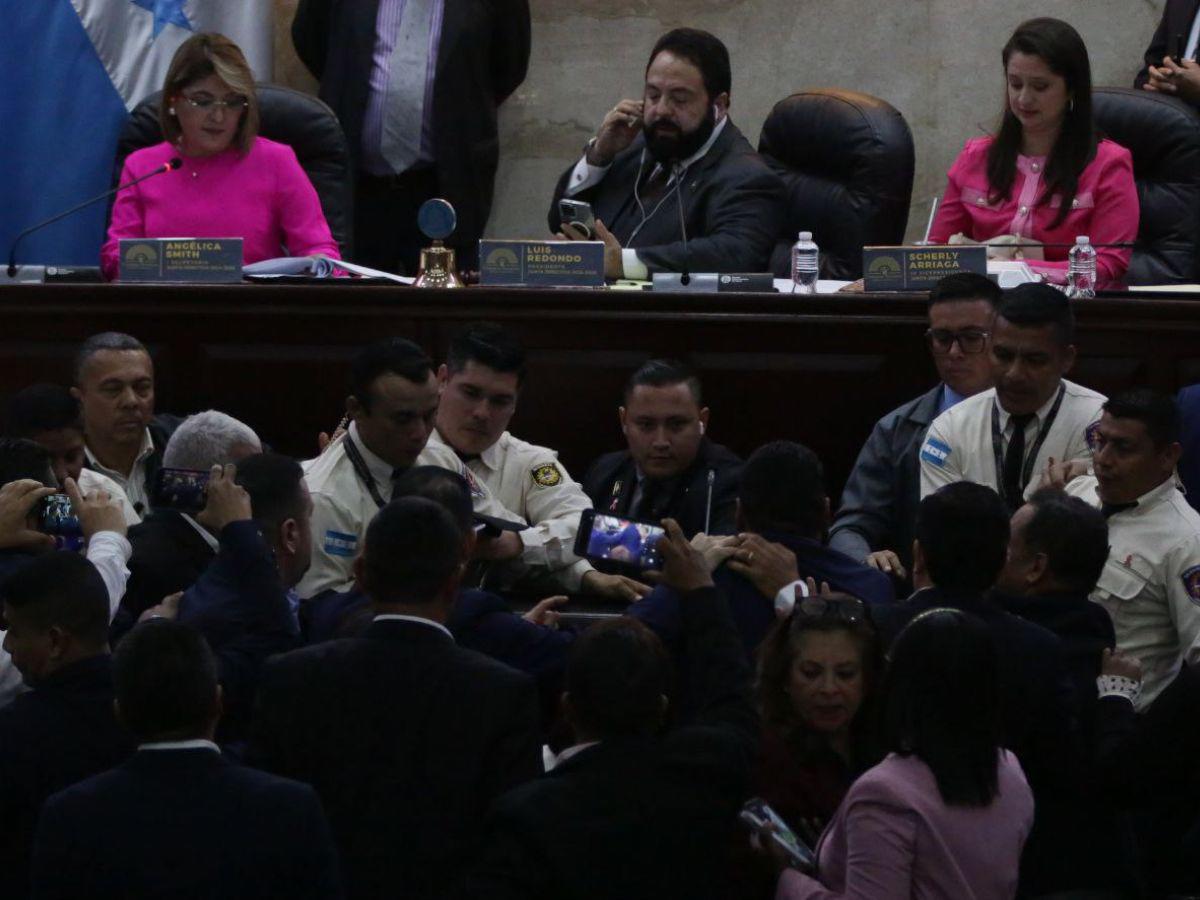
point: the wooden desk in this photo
(818, 369)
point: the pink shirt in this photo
(1105, 207)
(894, 839)
(264, 197)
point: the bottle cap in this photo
(806, 235)
(1082, 239)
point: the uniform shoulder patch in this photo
(547, 475)
(935, 452)
(1191, 583)
(1089, 434)
(338, 543)
(472, 482)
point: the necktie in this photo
(397, 474)
(647, 503)
(1111, 509)
(1014, 457)
(654, 185)
(404, 111)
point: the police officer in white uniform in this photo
(392, 406)
(1150, 584)
(480, 383)
(1004, 436)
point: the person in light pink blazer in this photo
(946, 814)
(1046, 176)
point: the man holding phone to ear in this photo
(675, 158)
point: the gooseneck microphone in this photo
(169, 166)
(677, 172)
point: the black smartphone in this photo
(1177, 50)
(578, 213)
(56, 517)
(628, 543)
(184, 490)
(757, 813)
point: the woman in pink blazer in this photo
(945, 815)
(1046, 176)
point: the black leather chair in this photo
(290, 117)
(1163, 134)
(847, 161)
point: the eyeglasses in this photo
(969, 341)
(204, 103)
(846, 609)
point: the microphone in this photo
(169, 166)
(677, 171)
(712, 476)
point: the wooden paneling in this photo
(819, 369)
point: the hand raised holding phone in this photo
(684, 567)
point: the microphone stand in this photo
(169, 166)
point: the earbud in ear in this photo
(702, 428)
(170, 111)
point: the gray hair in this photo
(207, 439)
(106, 340)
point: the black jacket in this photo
(1177, 18)
(637, 817)
(732, 204)
(481, 59)
(612, 481)
(184, 823)
(168, 556)
(62, 731)
(407, 739)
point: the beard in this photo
(668, 144)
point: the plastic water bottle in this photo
(1081, 269)
(805, 265)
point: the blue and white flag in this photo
(72, 69)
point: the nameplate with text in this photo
(919, 268)
(542, 263)
(197, 260)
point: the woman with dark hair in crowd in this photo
(1046, 176)
(817, 670)
(948, 810)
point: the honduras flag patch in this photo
(338, 543)
(935, 452)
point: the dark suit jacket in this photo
(1177, 18)
(1189, 436)
(168, 556)
(240, 606)
(612, 481)
(879, 501)
(184, 823)
(161, 427)
(481, 621)
(407, 738)
(636, 817)
(732, 203)
(482, 58)
(58, 733)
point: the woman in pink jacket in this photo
(1046, 176)
(233, 183)
(945, 815)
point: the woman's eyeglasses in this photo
(203, 102)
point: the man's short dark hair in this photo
(442, 486)
(40, 408)
(1037, 305)
(273, 483)
(704, 51)
(412, 550)
(394, 356)
(664, 373)
(1072, 534)
(1157, 411)
(22, 458)
(966, 286)
(487, 344)
(165, 677)
(617, 674)
(107, 340)
(963, 530)
(783, 489)
(63, 590)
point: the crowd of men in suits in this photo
(319, 685)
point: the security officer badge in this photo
(547, 475)
(1191, 583)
